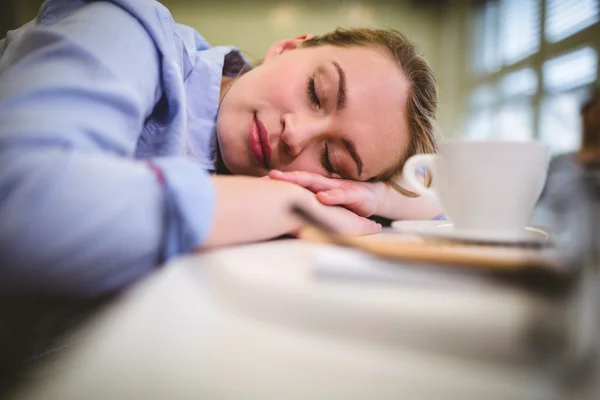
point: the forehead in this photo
(375, 113)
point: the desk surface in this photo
(259, 321)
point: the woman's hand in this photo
(363, 198)
(249, 209)
(343, 220)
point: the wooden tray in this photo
(413, 248)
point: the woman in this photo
(107, 117)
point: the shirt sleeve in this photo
(78, 215)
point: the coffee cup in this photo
(483, 185)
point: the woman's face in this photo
(334, 111)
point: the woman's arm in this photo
(250, 209)
(80, 216)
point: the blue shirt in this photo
(107, 131)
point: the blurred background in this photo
(510, 69)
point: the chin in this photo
(237, 167)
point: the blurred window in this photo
(523, 82)
(519, 29)
(566, 78)
(481, 102)
(567, 17)
(515, 114)
(535, 62)
(485, 38)
(573, 69)
(559, 118)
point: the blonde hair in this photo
(422, 94)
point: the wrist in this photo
(306, 199)
(384, 195)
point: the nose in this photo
(298, 132)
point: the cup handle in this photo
(410, 171)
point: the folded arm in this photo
(79, 216)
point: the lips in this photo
(258, 139)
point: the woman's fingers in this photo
(370, 227)
(359, 201)
(308, 180)
(347, 222)
(360, 197)
(338, 196)
(359, 227)
(363, 226)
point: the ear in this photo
(282, 46)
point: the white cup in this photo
(483, 185)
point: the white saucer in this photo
(445, 229)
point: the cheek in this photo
(282, 88)
(279, 95)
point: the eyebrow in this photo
(349, 145)
(341, 97)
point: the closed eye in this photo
(312, 92)
(326, 161)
